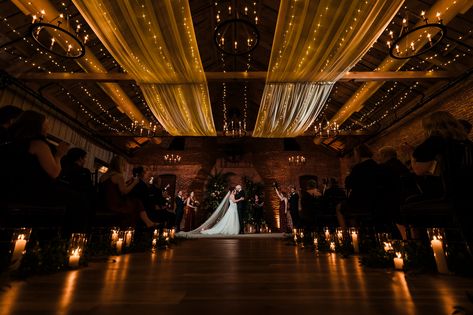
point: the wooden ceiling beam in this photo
(231, 76)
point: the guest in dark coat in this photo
(361, 185)
(293, 202)
(180, 204)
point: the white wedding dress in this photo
(223, 221)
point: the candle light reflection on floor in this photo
(68, 291)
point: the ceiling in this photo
(88, 104)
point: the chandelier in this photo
(141, 129)
(297, 160)
(58, 36)
(236, 32)
(235, 129)
(327, 129)
(417, 41)
(172, 159)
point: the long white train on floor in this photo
(223, 223)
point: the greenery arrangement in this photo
(251, 189)
(216, 189)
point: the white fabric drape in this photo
(288, 108)
(154, 42)
(316, 41)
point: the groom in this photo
(240, 198)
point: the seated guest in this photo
(73, 171)
(392, 174)
(8, 114)
(33, 169)
(114, 194)
(34, 166)
(361, 185)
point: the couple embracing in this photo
(227, 219)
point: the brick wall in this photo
(263, 160)
(458, 101)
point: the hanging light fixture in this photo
(236, 32)
(172, 159)
(297, 160)
(59, 36)
(326, 129)
(417, 41)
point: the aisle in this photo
(233, 276)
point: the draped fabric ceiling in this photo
(315, 43)
(154, 42)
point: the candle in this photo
(389, 44)
(52, 43)
(69, 48)
(256, 20)
(246, 10)
(412, 46)
(332, 246)
(119, 245)
(391, 34)
(430, 38)
(34, 19)
(438, 17)
(114, 236)
(398, 262)
(327, 234)
(18, 251)
(236, 45)
(356, 245)
(397, 49)
(387, 246)
(439, 255)
(229, 10)
(74, 259)
(128, 236)
(222, 41)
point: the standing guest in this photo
(180, 203)
(191, 209)
(310, 205)
(114, 192)
(258, 205)
(333, 195)
(8, 115)
(293, 202)
(285, 222)
(361, 185)
(158, 200)
(140, 192)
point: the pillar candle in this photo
(119, 245)
(439, 255)
(74, 260)
(17, 254)
(356, 245)
(398, 262)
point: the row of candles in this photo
(436, 236)
(119, 239)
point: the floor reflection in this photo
(10, 299)
(67, 292)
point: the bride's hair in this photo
(231, 189)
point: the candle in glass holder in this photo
(332, 246)
(439, 255)
(398, 261)
(119, 245)
(354, 239)
(20, 245)
(327, 234)
(128, 238)
(74, 259)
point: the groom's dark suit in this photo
(241, 208)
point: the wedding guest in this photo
(293, 202)
(191, 209)
(34, 167)
(73, 171)
(158, 200)
(285, 223)
(258, 205)
(33, 170)
(115, 194)
(361, 185)
(445, 157)
(180, 203)
(8, 114)
(333, 195)
(310, 204)
(140, 191)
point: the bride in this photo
(224, 220)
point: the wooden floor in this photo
(233, 276)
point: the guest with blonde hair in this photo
(114, 192)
